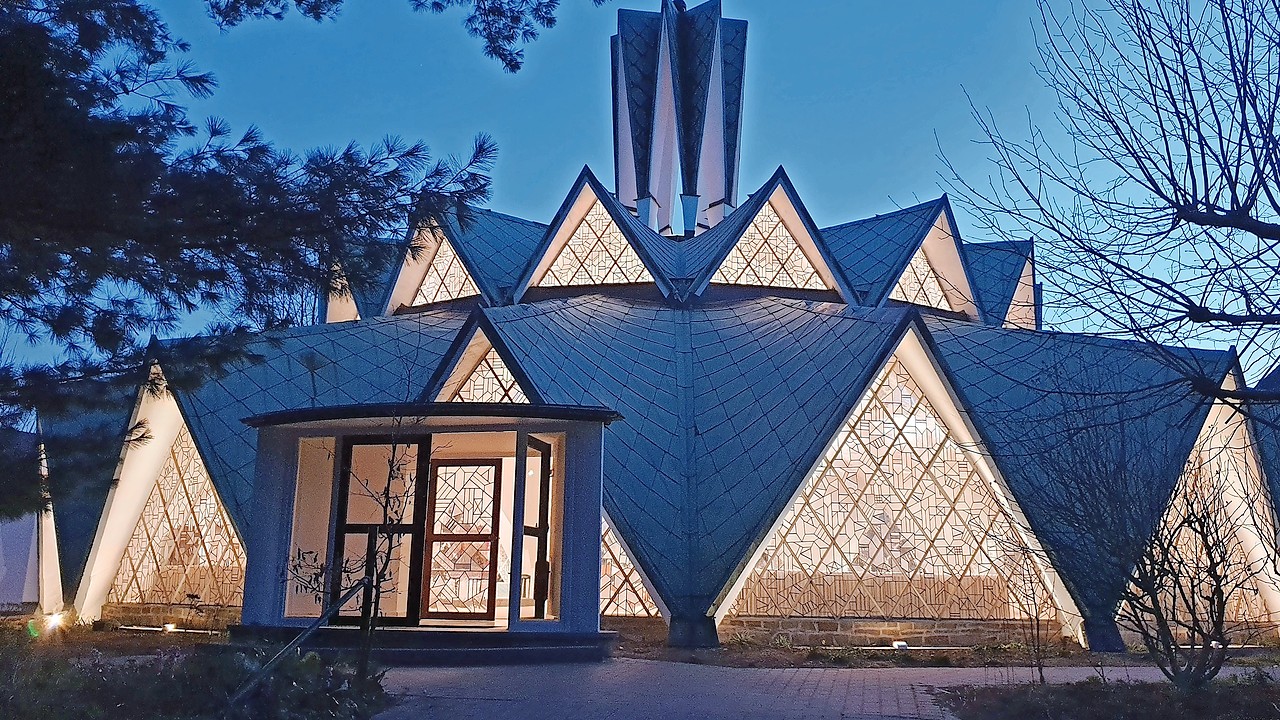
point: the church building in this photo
(677, 398)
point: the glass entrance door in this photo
(460, 556)
(537, 528)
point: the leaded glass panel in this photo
(920, 285)
(622, 592)
(184, 549)
(1219, 480)
(446, 279)
(596, 254)
(896, 522)
(491, 382)
(768, 255)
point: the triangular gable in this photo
(165, 531)
(768, 255)
(183, 544)
(446, 278)
(479, 374)
(485, 258)
(1224, 476)
(595, 241)
(935, 274)
(919, 284)
(769, 241)
(901, 516)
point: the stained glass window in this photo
(596, 254)
(920, 285)
(896, 522)
(491, 382)
(184, 550)
(622, 592)
(768, 255)
(446, 279)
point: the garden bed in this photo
(168, 676)
(1251, 697)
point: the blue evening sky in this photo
(853, 98)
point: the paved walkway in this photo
(636, 689)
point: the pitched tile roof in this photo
(380, 360)
(495, 247)
(873, 253)
(726, 406)
(1043, 400)
(995, 269)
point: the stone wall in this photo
(155, 615)
(862, 632)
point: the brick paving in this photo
(634, 689)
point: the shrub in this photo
(1254, 698)
(178, 685)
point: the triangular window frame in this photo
(913, 355)
(1226, 434)
(941, 251)
(479, 361)
(627, 579)
(772, 247)
(453, 281)
(590, 223)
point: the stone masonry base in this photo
(152, 615)
(861, 632)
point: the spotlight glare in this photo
(170, 627)
(53, 622)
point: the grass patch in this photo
(36, 681)
(1255, 697)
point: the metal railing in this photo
(365, 584)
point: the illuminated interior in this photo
(184, 549)
(896, 522)
(768, 255)
(596, 254)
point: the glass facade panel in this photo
(184, 549)
(460, 577)
(920, 285)
(622, 592)
(446, 279)
(596, 254)
(490, 382)
(896, 522)
(768, 255)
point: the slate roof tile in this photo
(873, 253)
(995, 269)
(381, 360)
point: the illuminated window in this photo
(920, 285)
(491, 382)
(1220, 499)
(184, 550)
(768, 255)
(596, 254)
(622, 593)
(896, 522)
(446, 279)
